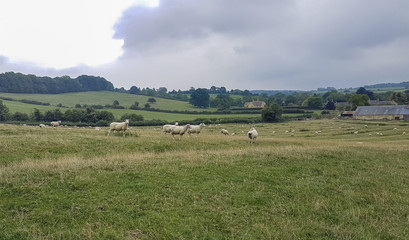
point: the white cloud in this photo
(62, 34)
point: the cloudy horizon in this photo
(178, 44)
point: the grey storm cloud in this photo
(260, 44)
(272, 44)
(180, 19)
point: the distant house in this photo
(397, 112)
(255, 104)
(379, 103)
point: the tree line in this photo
(74, 115)
(329, 100)
(11, 82)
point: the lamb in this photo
(55, 123)
(195, 129)
(252, 134)
(118, 126)
(179, 130)
(224, 131)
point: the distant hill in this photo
(11, 82)
(389, 85)
(273, 92)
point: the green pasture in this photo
(148, 115)
(103, 98)
(319, 179)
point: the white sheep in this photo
(167, 127)
(179, 130)
(252, 134)
(55, 123)
(224, 131)
(195, 128)
(118, 126)
(42, 125)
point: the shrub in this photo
(272, 113)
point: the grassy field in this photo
(104, 98)
(300, 180)
(101, 98)
(148, 115)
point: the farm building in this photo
(255, 104)
(397, 112)
(378, 103)
(347, 114)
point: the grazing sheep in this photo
(55, 123)
(42, 125)
(195, 128)
(356, 132)
(404, 133)
(167, 127)
(252, 134)
(118, 126)
(224, 131)
(179, 130)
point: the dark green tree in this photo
(362, 90)
(200, 98)
(134, 90)
(222, 101)
(75, 115)
(400, 98)
(271, 112)
(18, 116)
(4, 112)
(37, 115)
(53, 115)
(314, 102)
(330, 105)
(104, 115)
(359, 100)
(135, 105)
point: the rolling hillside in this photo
(101, 98)
(69, 100)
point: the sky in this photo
(237, 44)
